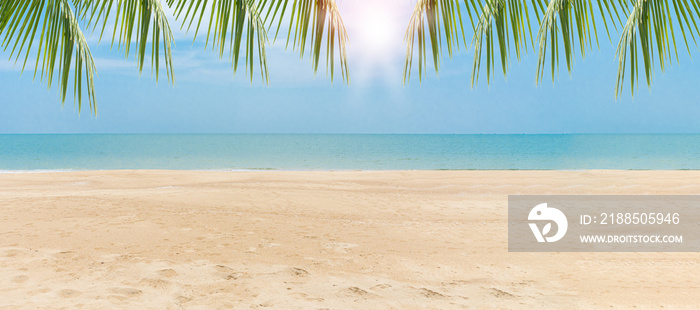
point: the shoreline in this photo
(314, 239)
(40, 171)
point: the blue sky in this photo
(208, 98)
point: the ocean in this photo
(231, 152)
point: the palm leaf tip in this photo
(430, 21)
(62, 45)
(438, 22)
(139, 22)
(567, 23)
(310, 22)
(508, 23)
(234, 24)
(650, 31)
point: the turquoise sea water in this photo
(347, 152)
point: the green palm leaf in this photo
(240, 25)
(507, 21)
(431, 20)
(231, 23)
(62, 44)
(136, 21)
(498, 14)
(577, 24)
(309, 22)
(569, 25)
(651, 23)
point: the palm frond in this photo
(569, 25)
(62, 44)
(576, 20)
(231, 23)
(133, 22)
(309, 22)
(502, 15)
(651, 23)
(430, 21)
(508, 21)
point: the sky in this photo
(208, 98)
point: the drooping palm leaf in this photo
(509, 18)
(508, 21)
(61, 44)
(563, 25)
(309, 21)
(430, 21)
(231, 22)
(651, 23)
(576, 20)
(134, 21)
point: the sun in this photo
(375, 28)
(377, 35)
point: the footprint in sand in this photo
(380, 287)
(222, 268)
(500, 293)
(182, 299)
(228, 273)
(20, 279)
(306, 297)
(39, 291)
(168, 273)
(266, 304)
(431, 294)
(12, 253)
(69, 293)
(339, 247)
(68, 254)
(126, 291)
(354, 291)
(156, 283)
(297, 272)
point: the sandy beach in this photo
(315, 240)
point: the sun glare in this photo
(376, 29)
(377, 33)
